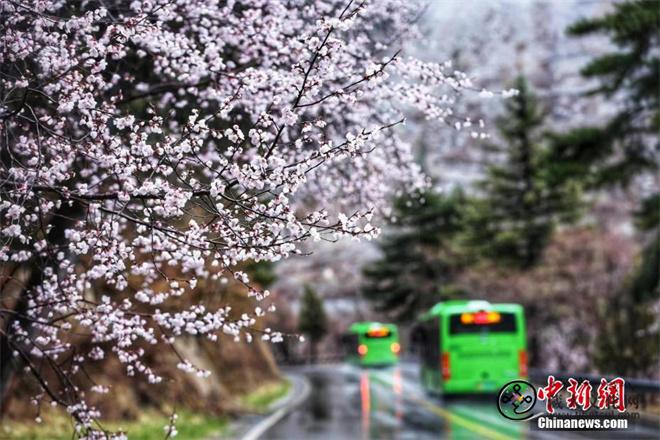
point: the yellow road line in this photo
(453, 417)
(465, 423)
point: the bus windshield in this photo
(482, 322)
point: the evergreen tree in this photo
(262, 272)
(525, 195)
(628, 144)
(312, 320)
(420, 258)
(626, 147)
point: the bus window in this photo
(486, 322)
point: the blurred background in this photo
(557, 210)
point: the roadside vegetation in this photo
(56, 425)
(261, 399)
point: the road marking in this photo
(450, 416)
(493, 419)
(455, 418)
(260, 428)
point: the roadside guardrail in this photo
(633, 384)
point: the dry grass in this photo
(149, 425)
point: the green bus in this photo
(471, 346)
(371, 344)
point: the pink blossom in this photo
(192, 136)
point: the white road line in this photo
(286, 407)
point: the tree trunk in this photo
(312, 351)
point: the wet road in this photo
(347, 402)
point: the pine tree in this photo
(525, 195)
(624, 149)
(420, 257)
(262, 272)
(628, 144)
(312, 320)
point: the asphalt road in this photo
(346, 402)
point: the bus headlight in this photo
(395, 347)
(362, 349)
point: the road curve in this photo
(346, 402)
